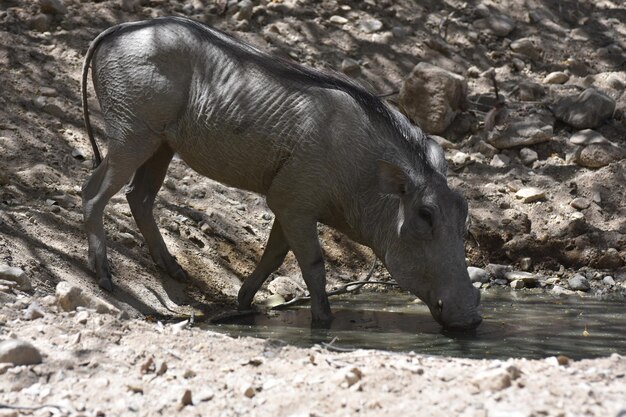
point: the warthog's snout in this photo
(455, 315)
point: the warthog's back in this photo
(233, 113)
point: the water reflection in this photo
(515, 325)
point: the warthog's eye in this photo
(426, 214)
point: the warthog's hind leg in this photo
(272, 258)
(140, 195)
(110, 176)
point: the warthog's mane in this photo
(412, 136)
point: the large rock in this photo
(19, 352)
(432, 97)
(587, 110)
(598, 155)
(477, 274)
(70, 297)
(578, 283)
(524, 133)
(12, 273)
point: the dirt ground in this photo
(94, 367)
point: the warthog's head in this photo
(425, 252)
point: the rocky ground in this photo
(541, 162)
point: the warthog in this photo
(318, 146)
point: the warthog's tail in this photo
(83, 85)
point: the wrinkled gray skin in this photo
(320, 149)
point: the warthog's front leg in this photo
(272, 258)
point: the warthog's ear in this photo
(392, 179)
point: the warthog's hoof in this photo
(106, 284)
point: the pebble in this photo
(500, 161)
(557, 77)
(186, 399)
(370, 25)
(608, 280)
(34, 311)
(249, 392)
(52, 7)
(19, 352)
(526, 277)
(530, 91)
(588, 137)
(530, 194)
(349, 377)
(338, 20)
(588, 109)
(350, 66)
(526, 46)
(461, 158)
(598, 155)
(15, 274)
(41, 22)
(498, 24)
(285, 287)
(580, 203)
(523, 133)
(558, 290)
(526, 263)
(578, 283)
(81, 317)
(496, 379)
(477, 274)
(70, 297)
(517, 284)
(528, 156)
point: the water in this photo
(516, 324)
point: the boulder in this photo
(432, 97)
(523, 133)
(588, 109)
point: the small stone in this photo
(78, 154)
(245, 10)
(493, 380)
(598, 155)
(500, 161)
(498, 24)
(52, 7)
(81, 317)
(608, 280)
(528, 47)
(486, 149)
(523, 133)
(34, 311)
(558, 290)
(249, 392)
(557, 77)
(610, 259)
(370, 25)
(578, 283)
(338, 20)
(19, 352)
(285, 287)
(350, 376)
(528, 156)
(530, 91)
(588, 109)
(350, 66)
(526, 263)
(552, 281)
(588, 137)
(17, 275)
(530, 194)
(477, 275)
(189, 373)
(461, 158)
(498, 271)
(186, 399)
(127, 239)
(580, 203)
(70, 297)
(526, 277)
(41, 23)
(517, 284)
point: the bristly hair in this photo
(412, 136)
